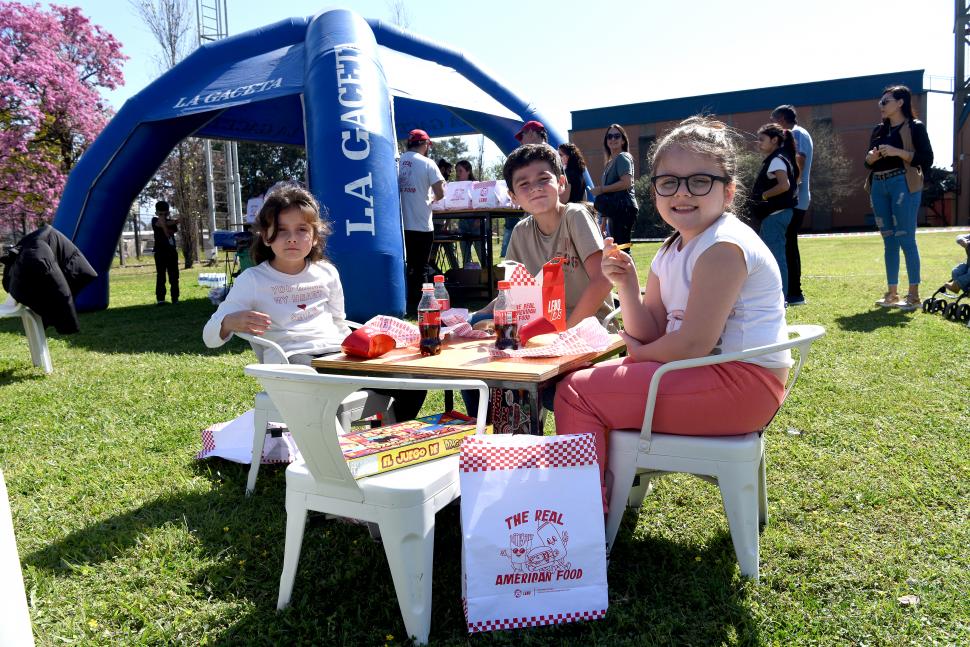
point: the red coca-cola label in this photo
(444, 304)
(505, 317)
(429, 317)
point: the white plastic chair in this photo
(14, 615)
(736, 464)
(34, 329)
(355, 407)
(402, 502)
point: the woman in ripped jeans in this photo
(899, 150)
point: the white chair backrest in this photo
(308, 402)
(260, 344)
(804, 335)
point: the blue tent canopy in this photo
(344, 88)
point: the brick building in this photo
(848, 105)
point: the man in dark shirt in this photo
(166, 254)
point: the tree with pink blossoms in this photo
(52, 62)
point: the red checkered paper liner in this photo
(586, 337)
(488, 454)
(402, 332)
(531, 621)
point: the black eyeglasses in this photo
(698, 184)
(614, 136)
(883, 102)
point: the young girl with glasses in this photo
(713, 288)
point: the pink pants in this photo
(719, 400)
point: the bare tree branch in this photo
(170, 22)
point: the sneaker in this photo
(796, 301)
(910, 303)
(161, 303)
(888, 300)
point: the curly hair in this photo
(278, 201)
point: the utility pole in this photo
(961, 94)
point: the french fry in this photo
(618, 248)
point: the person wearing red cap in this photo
(532, 132)
(420, 183)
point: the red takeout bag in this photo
(367, 343)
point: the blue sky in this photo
(569, 55)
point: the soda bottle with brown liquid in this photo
(429, 321)
(506, 319)
(440, 293)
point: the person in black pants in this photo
(166, 254)
(786, 116)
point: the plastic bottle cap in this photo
(427, 286)
(439, 278)
(504, 285)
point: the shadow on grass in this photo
(149, 328)
(343, 595)
(874, 319)
(22, 373)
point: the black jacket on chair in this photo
(44, 271)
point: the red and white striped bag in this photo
(533, 542)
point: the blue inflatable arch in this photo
(321, 82)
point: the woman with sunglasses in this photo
(619, 211)
(899, 155)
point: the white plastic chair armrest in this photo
(306, 374)
(610, 318)
(805, 334)
(256, 340)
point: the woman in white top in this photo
(713, 287)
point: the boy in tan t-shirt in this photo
(534, 175)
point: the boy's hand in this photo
(618, 266)
(246, 321)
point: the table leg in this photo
(449, 401)
(487, 224)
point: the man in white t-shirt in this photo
(420, 183)
(786, 117)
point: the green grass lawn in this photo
(126, 539)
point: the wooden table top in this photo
(508, 211)
(464, 359)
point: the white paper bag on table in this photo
(533, 542)
(490, 194)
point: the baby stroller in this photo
(949, 304)
(948, 297)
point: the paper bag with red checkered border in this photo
(533, 542)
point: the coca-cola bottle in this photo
(429, 321)
(440, 293)
(506, 319)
